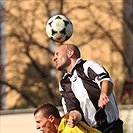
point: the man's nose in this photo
(54, 58)
(37, 126)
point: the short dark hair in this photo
(47, 110)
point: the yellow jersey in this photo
(81, 127)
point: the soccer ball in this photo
(59, 28)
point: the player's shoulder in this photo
(87, 129)
(81, 127)
(91, 63)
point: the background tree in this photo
(98, 30)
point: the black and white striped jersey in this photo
(81, 89)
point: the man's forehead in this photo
(39, 113)
(61, 48)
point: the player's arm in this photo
(103, 80)
(106, 90)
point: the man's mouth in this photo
(56, 63)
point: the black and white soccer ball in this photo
(59, 28)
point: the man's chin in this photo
(59, 68)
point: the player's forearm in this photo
(106, 87)
(105, 92)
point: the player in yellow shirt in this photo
(48, 120)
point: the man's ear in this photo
(51, 118)
(70, 53)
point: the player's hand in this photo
(103, 100)
(74, 117)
